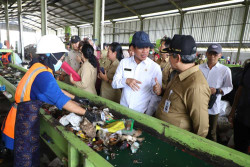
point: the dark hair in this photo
(186, 59)
(81, 43)
(116, 47)
(88, 52)
(130, 45)
(167, 41)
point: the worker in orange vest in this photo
(6, 59)
(20, 130)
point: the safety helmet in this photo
(50, 44)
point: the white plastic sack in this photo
(74, 119)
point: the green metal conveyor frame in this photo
(72, 150)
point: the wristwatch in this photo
(217, 91)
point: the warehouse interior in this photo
(226, 22)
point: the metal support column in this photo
(97, 21)
(20, 22)
(113, 24)
(7, 21)
(44, 17)
(181, 23)
(141, 21)
(102, 25)
(78, 31)
(243, 29)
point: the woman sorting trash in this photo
(115, 55)
(88, 71)
(20, 131)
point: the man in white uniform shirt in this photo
(137, 75)
(219, 79)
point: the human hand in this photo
(103, 76)
(71, 79)
(157, 88)
(133, 84)
(213, 90)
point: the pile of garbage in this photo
(12, 75)
(106, 133)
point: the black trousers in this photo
(241, 136)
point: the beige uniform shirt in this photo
(72, 61)
(106, 89)
(88, 75)
(104, 61)
(166, 70)
(189, 102)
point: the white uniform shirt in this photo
(143, 100)
(219, 77)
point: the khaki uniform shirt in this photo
(88, 77)
(166, 71)
(104, 62)
(72, 61)
(189, 102)
(106, 89)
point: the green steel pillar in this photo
(7, 21)
(67, 33)
(113, 24)
(181, 23)
(20, 22)
(44, 17)
(97, 21)
(243, 29)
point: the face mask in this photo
(58, 65)
(151, 52)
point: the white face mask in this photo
(58, 65)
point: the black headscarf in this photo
(47, 61)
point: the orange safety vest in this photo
(22, 95)
(5, 58)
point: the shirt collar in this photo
(188, 72)
(144, 61)
(216, 65)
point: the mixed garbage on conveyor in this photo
(105, 133)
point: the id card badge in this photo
(167, 106)
(168, 102)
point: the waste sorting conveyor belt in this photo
(164, 144)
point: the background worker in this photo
(21, 127)
(88, 71)
(219, 80)
(185, 101)
(72, 58)
(239, 116)
(115, 55)
(164, 62)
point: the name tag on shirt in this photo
(127, 69)
(167, 106)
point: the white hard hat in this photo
(50, 44)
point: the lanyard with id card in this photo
(167, 102)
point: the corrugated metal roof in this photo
(63, 13)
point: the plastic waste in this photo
(88, 128)
(74, 119)
(2, 88)
(134, 147)
(112, 127)
(64, 121)
(7, 94)
(69, 70)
